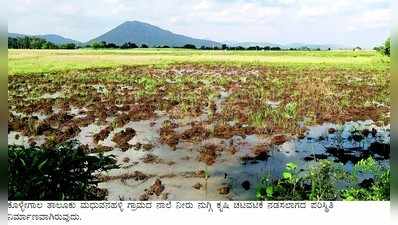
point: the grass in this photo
(43, 61)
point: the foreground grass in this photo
(43, 61)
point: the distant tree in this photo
(97, 45)
(68, 46)
(224, 47)
(124, 46)
(252, 48)
(189, 46)
(12, 42)
(128, 45)
(267, 48)
(111, 45)
(27, 42)
(304, 48)
(132, 45)
(36, 43)
(387, 45)
(144, 46)
(50, 45)
(276, 48)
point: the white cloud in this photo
(372, 19)
(242, 20)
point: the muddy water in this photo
(178, 168)
(175, 167)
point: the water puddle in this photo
(239, 171)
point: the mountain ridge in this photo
(144, 33)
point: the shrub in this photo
(387, 45)
(328, 181)
(65, 172)
(378, 187)
(189, 46)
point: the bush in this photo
(189, 46)
(387, 45)
(97, 45)
(328, 181)
(384, 49)
(65, 172)
(377, 187)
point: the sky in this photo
(364, 23)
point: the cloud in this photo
(242, 20)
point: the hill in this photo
(144, 33)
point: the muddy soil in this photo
(195, 132)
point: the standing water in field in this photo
(240, 162)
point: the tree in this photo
(144, 46)
(189, 46)
(12, 42)
(124, 46)
(111, 45)
(387, 45)
(68, 46)
(49, 45)
(275, 49)
(96, 45)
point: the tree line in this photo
(28, 42)
(129, 45)
(31, 42)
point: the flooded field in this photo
(194, 132)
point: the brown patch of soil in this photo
(150, 158)
(101, 148)
(197, 132)
(102, 135)
(136, 175)
(197, 186)
(209, 154)
(157, 188)
(261, 152)
(122, 138)
(224, 190)
(169, 136)
(278, 139)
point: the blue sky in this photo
(351, 22)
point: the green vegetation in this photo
(65, 172)
(43, 61)
(386, 48)
(28, 42)
(328, 181)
